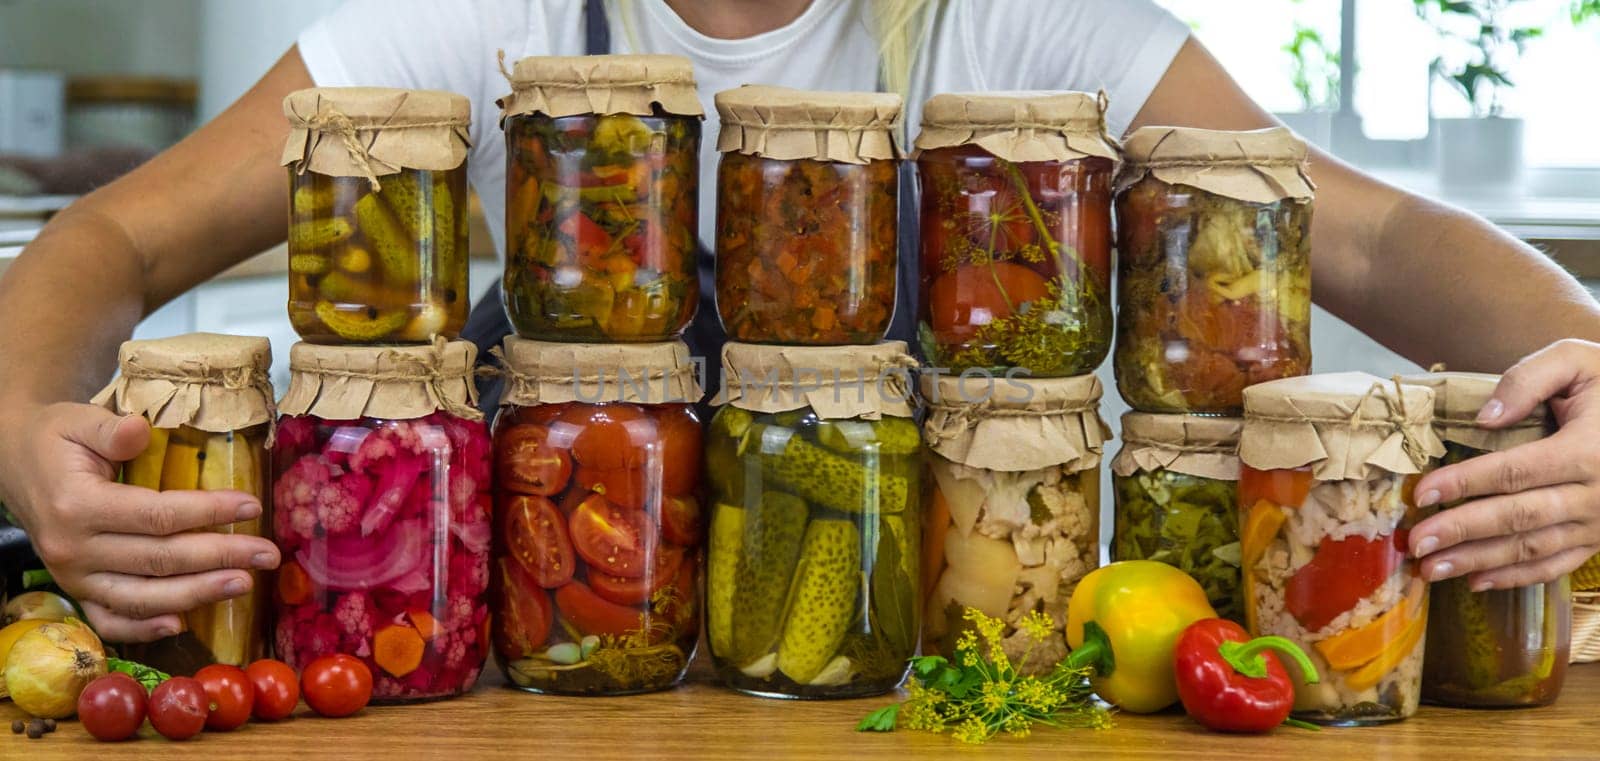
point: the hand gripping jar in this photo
(1014, 519)
(1324, 522)
(209, 403)
(596, 587)
(1505, 647)
(377, 214)
(602, 205)
(1016, 231)
(1214, 267)
(1176, 482)
(806, 215)
(382, 497)
(815, 469)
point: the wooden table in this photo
(704, 722)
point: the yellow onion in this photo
(37, 604)
(50, 665)
(9, 637)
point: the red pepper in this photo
(1231, 683)
(1342, 573)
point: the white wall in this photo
(241, 39)
(88, 37)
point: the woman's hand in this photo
(1534, 512)
(129, 555)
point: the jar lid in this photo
(546, 372)
(601, 84)
(1343, 425)
(373, 132)
(384, 382)
(836, 382)
(1015, 424)
(1019, 126)
(786, 124)
(1257, 166)
(1457, 398)
(1194, 445)
(206, 381)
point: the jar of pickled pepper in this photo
(209, 403)
(377, 214)
(1214, 267)
(1016, 231)
(602, 204)
(1013, 523)
(1505, 647)
(381, 499)
(598, 516)
(806, 215)
(816, 484)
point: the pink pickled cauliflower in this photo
(469, 574)
(357, 619)
(312, 492)
(386, 441)
(315, 638)
(458, 612)
(296, 434)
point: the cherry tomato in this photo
(614, 540)
(336, 685)
(636, 591)
(970, 297)
(680, 521)
(179, 707)
(528, 464)
(593, 614)
(276, 688)
(1285, 488)
(678, 449)
(623, 487)
(112, 707)
(684, 609)
(525, 615)
(607, 434)
(230, 693)
(537, 536)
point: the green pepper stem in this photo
(1095, 652)
(1246, 657)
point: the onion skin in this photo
(49, 667)
(37, 604)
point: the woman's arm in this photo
(74, 294)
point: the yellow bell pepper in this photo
(1124, 621)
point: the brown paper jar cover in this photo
(1343, 425)
(548, 372)
(206, 381)
(345, 131)
(1017, 424)
(1019, 126)
(559, 86)
(836, 382)
(1194, 445)
(1457, 398)
(383, 382)
(785, 124)
(1258, 166)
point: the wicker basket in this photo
(1586, 612)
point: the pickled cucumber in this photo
(1470, 612)
(772, 541)
(832, 481)
(145, 470)
(341, 288)
(313, 200)
(891, 436)
(827, 585)
(229, 463)
(308, 264)
(359, 327)
(399, 254)
(321, 233)
(180, 469)
(722, 573)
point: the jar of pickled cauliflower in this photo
(381, 497)
(1324, 520)
(377, 214)
(1013, 522)
(598, 515)
(602, 204)
(209, 403)
(815, 475)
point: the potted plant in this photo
(1314, 72)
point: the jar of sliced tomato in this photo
(1214, 274)
(602, 205)
(381, 509)
(806, 215)
(598, 511)
(377, 214)
(1016, 231)
(1325, 513)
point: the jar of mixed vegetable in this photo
(602, 205)
(381, 506)
(377, 214)
(596, 587)
(806, 215)
(209, 403)
(1014, 519)
(1214, 273)
(1325, 516)
(1176, 484)
(1505, 647)
(1016, 231)
(815, 472)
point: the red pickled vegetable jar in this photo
(381, 496)
(598, 516)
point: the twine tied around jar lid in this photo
(787, 124)
(1194, 445)
(425, 379)
(1254, 166)
(1294, 422)
(1020, 126)
(772, 378)
(1458, 398)
(214, 383)
(1054, 422)
(417, 129)
(594, 373)
(558, 86)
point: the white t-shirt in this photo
(1121, 46)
